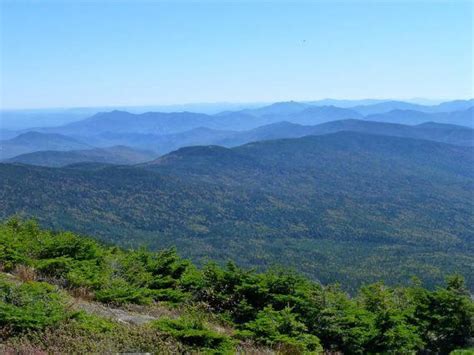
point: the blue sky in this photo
(96, 53)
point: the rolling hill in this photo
(159, 123)
(346, 207)
(438, 132)
(278, 108)
(162, 144)
(390, 105)
(36, 141)
(119, 155)
(462, 117)
(164, 132)
(452, 134)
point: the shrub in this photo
(57, 267)
(118, 291)
(193, 332)
(169, 295)
(10, 254)
(92, 323)
(91, 274)
(31, 305)
(281, 329)
(69, 244)
(276, 308)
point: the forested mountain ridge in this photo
(36, 141)
(346, 207)
(445, 133)
(162, 144)
(168, 123)
(461, 117)
(119, 155)
(390, 105)
(160, 123)
(163, 132)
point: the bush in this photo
(31, 305)
(68, 244)
(56, 267)
(11, 253)
(118, 291)
(91, 274)
(281, 329)
(92, 323)
(169, 295)
(276, 308)
(193, 332)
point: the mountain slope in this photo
(154, 123)
(438, 132)
(164, 132)
(120, 155)
(159, 123)
(320, 114)
(278, 108)
(36, 141)
(387, 106)
(204, 136)
(125, 122)
(463, 117)
(341, 207)
(455, 105)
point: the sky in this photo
(126, 53)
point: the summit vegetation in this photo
(211, 309)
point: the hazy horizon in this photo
(427, 101)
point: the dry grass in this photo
(83, 293)
(25, 273)
(250, 348)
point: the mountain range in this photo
(349, 191)
(38, 153)
(345, 206)
(387, 106)
(119, 155)
(161, 123)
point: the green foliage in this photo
(392, 320)
(120, 291)
(58, 267)
(194, 332)
(67, 244)
(93, 324)
(30, 305)
(341, 323)
(447, 316)
(277, 328)
(278, 308)
(462, 352)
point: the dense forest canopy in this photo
(347, 207)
